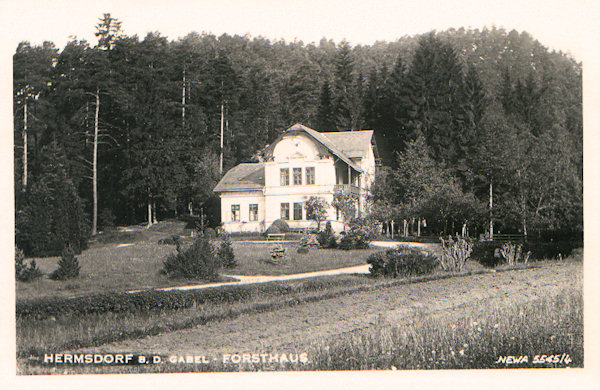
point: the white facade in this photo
(299, 164)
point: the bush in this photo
(361, 232)
(199, 260)
(24, 273)
(68, 266)
(225, 253)
(513, 253)
(550, 250)
(173, 240)
(455, 253)
(401, 262)
(326, 238)
(210, 233)
(487, 253)
(302, 250)
(278, 226)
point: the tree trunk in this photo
(149, 210)
(95, 167)
(25, 146)
(221, 153)
(419, 228)
(491, 213)
(154, 219)
(183, 102)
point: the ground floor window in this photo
(253, 210)
(235, 212)
(285, 211)
(297, 211)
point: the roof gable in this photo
(354, 144)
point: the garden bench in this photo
(275, 236)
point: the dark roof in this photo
(352, 143)
(243, 177)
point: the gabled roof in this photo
(243, 177)
(352, 143)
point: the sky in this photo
(557, 24)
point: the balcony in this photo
(346, 189)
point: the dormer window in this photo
(284, 176)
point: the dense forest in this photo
(473, 127)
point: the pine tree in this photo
(325, 114)
(68, 265)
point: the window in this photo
(297, 211)
(284, 176)
(285, 211)
(253, 208)
(297, 176)
(310, 175)
(235, 212)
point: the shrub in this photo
(455, 253)
(68, 266)
(107, 219)
(487, 253)
(309, 241)
(199, 260)
(24, 273)
(361, 232)
(550, 250)
(225, 253)
(326, 238)
(210, 233)
(173, 240)
(278, 226)
(401, 262)
(513, 253)
(302, 250)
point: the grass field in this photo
(544, 327)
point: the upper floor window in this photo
(284, 176)
(235, 212)
(285, 211)
(310, 175)
(253, 212)
(297, 211)
(297, 176)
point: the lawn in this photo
(251, 258)
(132, 260)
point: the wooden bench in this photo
(275, 236)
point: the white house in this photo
(300, 163)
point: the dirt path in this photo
(296, 327)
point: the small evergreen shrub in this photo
(225, 253)
(24, 272)
(401, 262)
(302, 250)
(326, 238)
(199, 260)
(68, 266)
